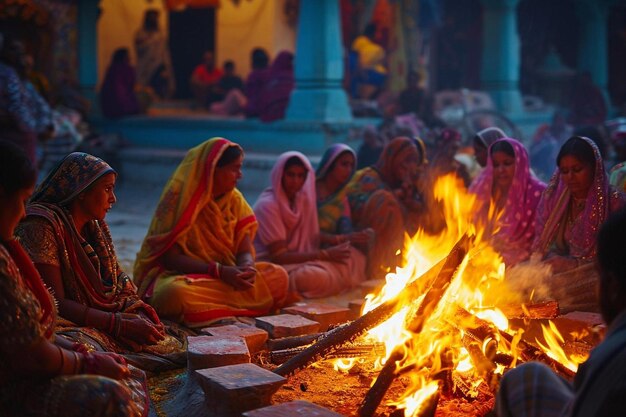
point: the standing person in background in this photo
(154, 66)
(277, 90)
(256, 80)
(204, 81)
(117, 94)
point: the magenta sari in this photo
(514, 228)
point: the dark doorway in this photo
(192, 32)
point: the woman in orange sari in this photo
(196, 263)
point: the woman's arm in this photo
(278, 254)
(70, 309)
(175, 260)
(46, 359)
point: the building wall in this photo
(248, 25)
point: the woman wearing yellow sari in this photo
(196, 263)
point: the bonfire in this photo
(439, 322)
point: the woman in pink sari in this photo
(508, 191)
(576, 202)
(289, 233)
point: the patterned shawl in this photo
(297, 227)
(334, 211)
(187, 215)
(90, 272)
(379, 176)
(515, 228)
(552, 210)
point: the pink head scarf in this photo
(601, 201)
(278, 221)
(518, 218)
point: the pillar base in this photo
(319, 105)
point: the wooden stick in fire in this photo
(338, 336)
(431, 299)
(528, 351)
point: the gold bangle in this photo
(60, 370)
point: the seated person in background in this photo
(333, 210)
(483, 140)
(382, 197)
(197, 263)
(69, 241)
(508, 192)
(576, 202)
(599, 388)
(289, 233)
(42, 374)
(411, 99)
(117, 94)
(228, 81)
(204, 81)
(276, 91)
(25, 117)
(443, 161)
(370, 149)
(371, 73)
(546, 144)
(247, 101)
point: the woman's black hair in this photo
(504, 147)
(231, 154)
(578, 148)
(16, 171)
(294, 161)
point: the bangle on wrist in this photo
(214, 269)
(118, 325)
(60, 370)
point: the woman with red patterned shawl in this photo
(42, 374)
(196, 263)
(507, 190)
(69, 241)
(576, 202)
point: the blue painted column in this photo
(593, 41)
(319, 95)
(88, 11)
(501, 55)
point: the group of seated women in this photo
(79, 331)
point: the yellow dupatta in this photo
(187, 215)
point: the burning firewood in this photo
(335, 338)
(428, 305)
(353, 351)
(543, 310)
